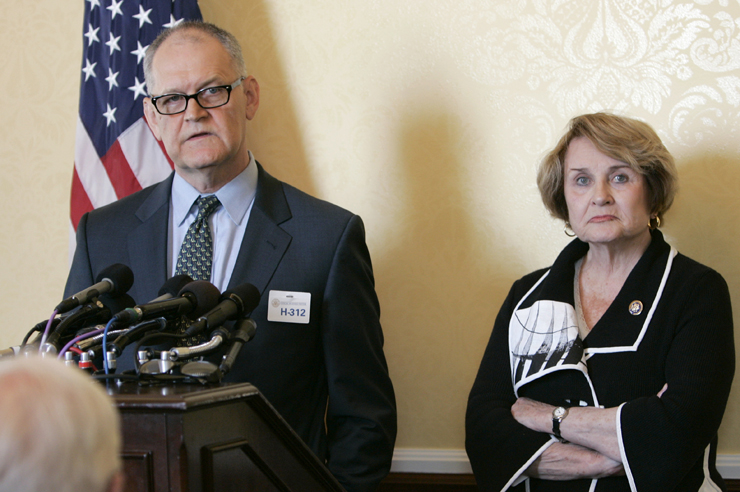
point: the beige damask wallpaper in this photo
(427, 118)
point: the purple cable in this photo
(77, 339)
(46, 331)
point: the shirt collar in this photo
(236, 196)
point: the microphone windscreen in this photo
(174, 285)
(248, 294)
(121, 276)
(116, 304)
(111, 305)
(206, 296)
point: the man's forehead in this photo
(186, 38)
(183, 53)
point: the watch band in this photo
(558, 415)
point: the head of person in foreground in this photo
(59, 430)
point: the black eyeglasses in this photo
(208, 98)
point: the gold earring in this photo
(657, 222)
(568, 231)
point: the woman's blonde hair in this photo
(628, 140)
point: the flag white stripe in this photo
(144, 155)
(91, 171)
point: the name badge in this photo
(289, 307)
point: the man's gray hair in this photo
(227, 40)
(59, 430)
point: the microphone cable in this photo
(48, 328)
(134, 330)
(77, 339)
(39, 328)
(105, 344)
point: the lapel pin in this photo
(635, 308)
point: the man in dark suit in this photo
(323, 368)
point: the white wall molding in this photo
(406, 460)
(728, 465)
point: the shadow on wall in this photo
(704, 224)
(273, 136)
(437, 283)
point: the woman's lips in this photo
(602, 218)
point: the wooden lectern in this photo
(221, 438)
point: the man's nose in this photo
(194, 111)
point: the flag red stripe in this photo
(161, 144)
(164, 151)
(80, 204)
(121, 176)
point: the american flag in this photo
(115, 152)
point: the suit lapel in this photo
(265, 242)
(643, 286)
(147, 243)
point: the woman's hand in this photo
(590, 427)
(566, 461)
(571, 462)
(533, 414)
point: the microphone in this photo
(195, 298)
(115, 280)
(244, 332)
(172, 287)
(90, 314)
(106, 307)
(234, 303)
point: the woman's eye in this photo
(582, 180)
(621, 178)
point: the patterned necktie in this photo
(196, 253)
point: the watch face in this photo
(558, 412)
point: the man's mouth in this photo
(196, 136)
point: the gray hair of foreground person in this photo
(59, 430)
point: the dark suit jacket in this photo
(293, 242)
(682, 337)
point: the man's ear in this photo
(152, 117)
(252, 92)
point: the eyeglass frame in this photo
(188, 97)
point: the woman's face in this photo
(607, 200)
